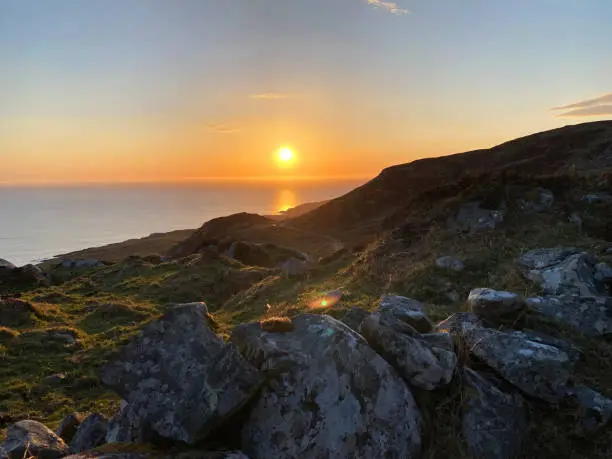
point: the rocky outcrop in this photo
(180, 380)
(330, 395)
(593, 410)
(472, 218)
(7, 265)
(494, 423)
(32, 439)
(420, 363)
(354, 317)
(408, 311)
(450, 262)
(492, 304)
(90, 433)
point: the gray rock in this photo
(125, 427)
(573, 352)
(493, 422)
(490, 303)
(540, 370)
(562, 270)
(603, 272)
(332, 396)
(588, 316)
(354, 317)
(415, 359)
(596, 198)
(543, 200)
(459, 323)
(472, 218)
(407, 310)
(449, 262)
(68, 427)
(32, 439)
(90, 433)
(179, 378)
(294, 267)
(593, 409)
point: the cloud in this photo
(597, 106)
(391, 7)
(220, 129)
(269, 96)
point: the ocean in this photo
(37, 223)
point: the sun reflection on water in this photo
(284, 200)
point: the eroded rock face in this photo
(422, 363)
(90, 433)
(332, 396)
(490, 303)
(406, 310)
(179, 378)
(493, 422)
(32, 439)
(540, 370)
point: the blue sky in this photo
(151, 89)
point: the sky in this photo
(161, 90)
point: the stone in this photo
(249, 254)
(593, 409)
(596, 198)
(576, 220)
(493, 422)
(69, 425)
(408, 310)
(419, 363)
(603, 272)
(562, 270)
(590, 316)
(6, 264)
(32, 439)
(210, 455)
(449, 262)
(459, 323)
(110, 455)
(354, 317)
(539, 370)
(90, 433)
(294, 267)
(179, 378)
(330, 395)
(573, 352)
(472, 218)
(489, 303)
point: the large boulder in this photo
(32, 439)
(473, 218)
(492, 304)
(354, 317)
(90, 433)
(179, 378)
(407, 310)
(589, 316)
(493, 422)
(540, 370)
(573, 352)
(420, 363)
(330, 395)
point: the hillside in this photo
(523, 371)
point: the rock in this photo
(90, 433)
(16, 313)
(68, 427)
(294, 267)
(408, 310)
(540, 370)
(125, 427)
(452, 263)
(573, 352)
(590, 316)
(459, 323)
(32, 439)
(535, 200)
(211, 455)
(6, 264)
(603, 272)
(576, 220)
(179, 378)
(354, 317)
(250, 254)
(110, 455)
(489, 303)
(493, 422)
(561, 270)
(472, 218)
(55, 379)
(596, 198)
(593, 409)
(332, 396)
(21, 277)
(420, 364)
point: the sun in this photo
(285, 156)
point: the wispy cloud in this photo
(597, 106)
(269, 96)
(391, 7)
(220, 129)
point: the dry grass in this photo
(277, 324)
